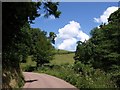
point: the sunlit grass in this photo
(60, 58)
(28, 62)
(63, 59)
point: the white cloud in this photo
(69, 35)
(68, 44)
(51, 17)
(104, 17)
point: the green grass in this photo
(29, 62)
(58, 51)
(95, 79)
(60, 59)
(62, 66)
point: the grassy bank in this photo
(61, 57)
(62, 66)
(93, 79)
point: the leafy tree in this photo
(15, 39)
(41, 48)
(52, 9)
(102, 49)
(52, 37)
(114, 17)
(18, 15)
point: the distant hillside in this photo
(63, 57)
(60, 59)
(59, 51)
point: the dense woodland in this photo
(19, 40)
(97, 63)
(102, 50)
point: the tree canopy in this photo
(15, 15)
(19, 39)
(102, 50)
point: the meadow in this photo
(61, 57)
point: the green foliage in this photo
(29, 68)
(52, 37)
(85, 69)
(52, 9)
(115, 17)
(102, 50)
(37, 45)
(60, 59)
(90, 78)
(14, 37)
(104, 44)
(16, 32)
(25, 66)
(20, 80)
(65, 72)
(41, 48)
(57, 60)
(15, 19)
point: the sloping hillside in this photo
(63, 57)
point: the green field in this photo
(29, 62)
(58, 51)
(63, 59)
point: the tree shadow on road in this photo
(29, 81)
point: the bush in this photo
(98, 79)
(92, 78)
(86, 78)
(20, 80)
(116, 78)
(29, 68)
(83, 69)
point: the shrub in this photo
(29, 68)
(92, 78)
(116, 78)
(86, 78)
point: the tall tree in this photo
(41, 47)
(14, 16)
(18, 15)
(103, 48)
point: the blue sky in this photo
(76, 17)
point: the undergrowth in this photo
(87, 77)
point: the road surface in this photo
(36, 80)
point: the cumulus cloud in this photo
(104, 17)
(68, 44)
(69, 35)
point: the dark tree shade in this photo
(14, 16)
(16, 41)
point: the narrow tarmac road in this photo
(36, 80)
